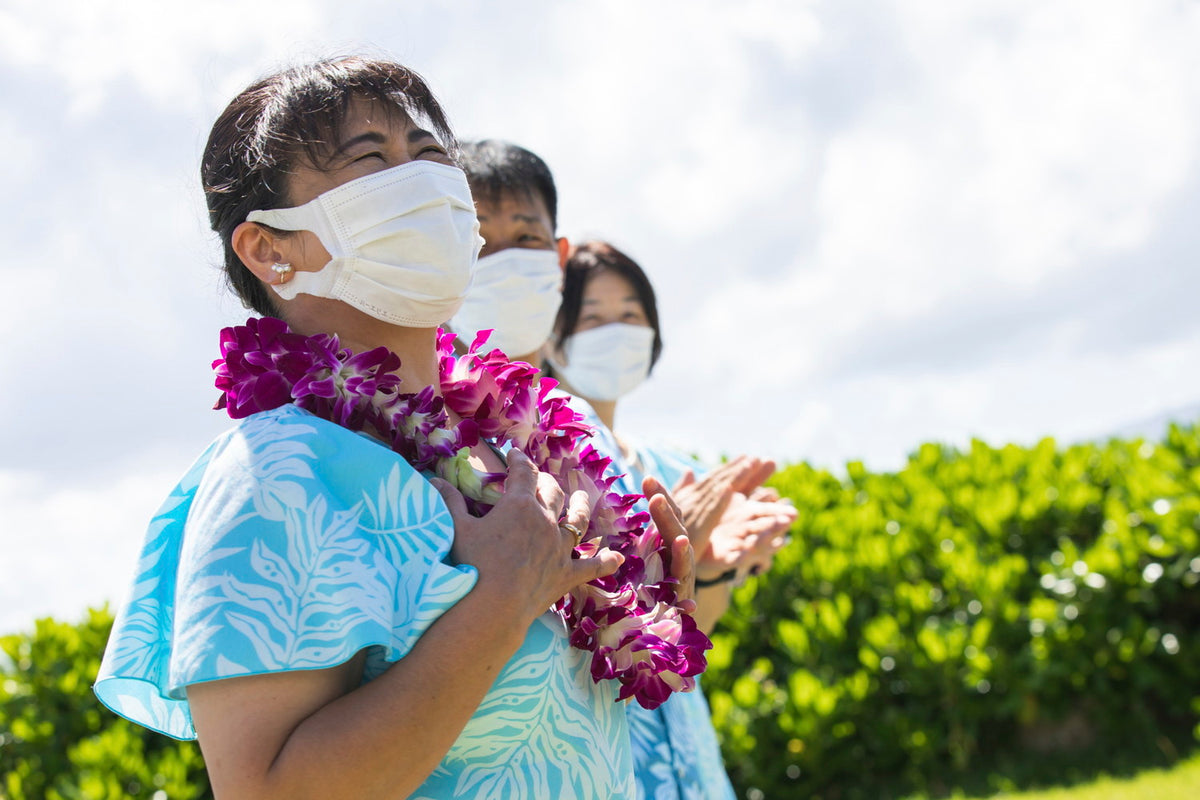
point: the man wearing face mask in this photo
(518, 278)
(517, 294)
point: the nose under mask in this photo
(403, 243)
(516, 294)
(607, 362)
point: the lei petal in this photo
(630, 621)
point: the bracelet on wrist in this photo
(725, 577)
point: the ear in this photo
(259, 250)
(564, 250)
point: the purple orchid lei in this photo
(630, 621)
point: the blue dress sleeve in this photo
(666, 465)
(291, 544)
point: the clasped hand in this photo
(525, 557)
(735, 523)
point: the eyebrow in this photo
(534, 223)
(633, 298)
(375, 137)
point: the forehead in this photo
(359, 115)
(607, 286)
(512, 205)
(362, 110)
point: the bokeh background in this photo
(871, 224)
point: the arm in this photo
(319, 734)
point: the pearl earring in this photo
(282, 270)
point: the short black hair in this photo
(585, 262)
(495, 168)
(288, 117)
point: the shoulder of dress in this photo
(667, 463)
(290, 421)
(291, 434)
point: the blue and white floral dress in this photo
(293, 543)
(676, 755)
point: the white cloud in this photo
(870, 224)
(659, 99)
(21, 149)
(1067, 124)
(67, 547)
(880, 418)
(164, 47)
(1024, 146)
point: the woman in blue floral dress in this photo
(606, 341)
(324, 618)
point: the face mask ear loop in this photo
(309, 217)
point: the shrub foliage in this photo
(58, 742)
(979, 619)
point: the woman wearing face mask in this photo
(326, 620)
(605, 343)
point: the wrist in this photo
(725, 578)
(507, 612)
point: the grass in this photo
(1180, 781)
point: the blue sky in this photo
(870, 224)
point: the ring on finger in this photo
(573, 530)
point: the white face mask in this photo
(607, 362)
(403, 242)
(516, 293)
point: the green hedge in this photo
(59, 743)
(978, 620)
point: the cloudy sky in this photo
(871, 224)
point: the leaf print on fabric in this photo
(532, 737)
(206, 558)
(278, 464)
(302, 586)
(443, 588)
(142, 647)
(271, 652)
(409, 510)
(226, 666)
(652, 754)
(507, 780)
(149, 707)
(192, 648)
(292, 591)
